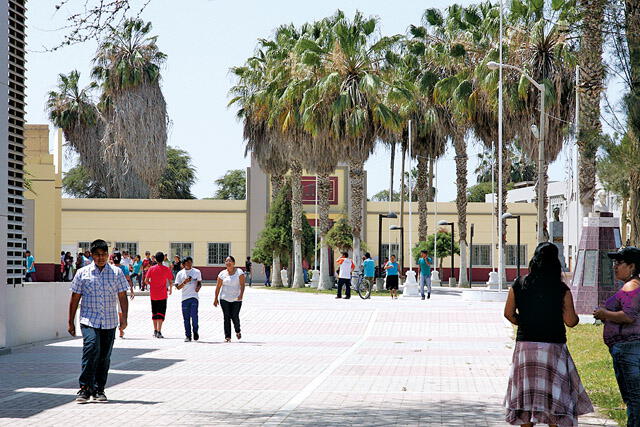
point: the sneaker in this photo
(429, 295)
(338, 297)
(423, 297)
(100, 397)
(159, 335)
(196, 336)
(155, 334)
(83, 395)
(187, 339)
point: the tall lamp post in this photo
(397, 227)
(539, 133)
(452, 278)
(380, 216)
(471, 258)
(509, 215)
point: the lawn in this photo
(596, 370)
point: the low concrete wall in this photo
(37, 311)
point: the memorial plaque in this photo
(590, 268)
(606, 270)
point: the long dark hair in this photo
(545, 270)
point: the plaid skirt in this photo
(544, 386)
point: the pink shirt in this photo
(629, 302)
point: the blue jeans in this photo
(96, 357)
(626, 363)
(425, 280)
(190, 315)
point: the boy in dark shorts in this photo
(159, 279)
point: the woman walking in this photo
(392, 276)
(229, 293)
(622, 329)
(176, 265)
(137, 274)
(544, 386)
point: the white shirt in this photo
(345, 269)
(127, 261)
(230, 285)
(189, 290)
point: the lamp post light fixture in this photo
(397, 227)
(380, 216)
(452, 279)
(509, 215)
(539, 133)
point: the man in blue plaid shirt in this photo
(100, 286)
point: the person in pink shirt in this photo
(159, 279)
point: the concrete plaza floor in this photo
(305, 359)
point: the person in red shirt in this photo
(159, 279)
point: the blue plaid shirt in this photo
(99, 290)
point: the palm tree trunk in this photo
(430, 184)
(277, 181)
(461, 205)
(624, 220)
(356, 178)
(324, 188)
(632, 23)
(392, 168)
(423, 195)
(634, 207)
(590, 91)
(296, 224)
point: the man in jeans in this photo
(344, 274)
(189, 280)
(425, 273)
(99, 285)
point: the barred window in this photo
(182, 249)
(131, 247)
(84, 246)
(218, 252)
(395, 250)
(481, 256)
(510, 255)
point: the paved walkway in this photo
(305, 359)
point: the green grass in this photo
(328, 292)
(594, 364)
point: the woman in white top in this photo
(229, 292)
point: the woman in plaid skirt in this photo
(544, 386)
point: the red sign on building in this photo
(309, 190)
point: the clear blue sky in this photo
(203, 39)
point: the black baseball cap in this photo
(630, 255)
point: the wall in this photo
(4, 151)
(36, 312)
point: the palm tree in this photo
(128, 65)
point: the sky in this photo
(203, 40)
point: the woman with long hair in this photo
(544, 386)
(229, 293)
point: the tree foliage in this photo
(231, 186)
(341, 235)
(443, 248)
(276, 238)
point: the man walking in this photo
(344, 275)
(31, 267)
(99, 286)
(147, 263)
(425, 273)
(159, 278)
(247, 270)
(369, 269)
(189, 280)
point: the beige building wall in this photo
(43, 172)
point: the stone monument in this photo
(593, 278)
(411, 288)
(556, 230)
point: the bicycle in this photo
(362, 285)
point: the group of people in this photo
(544, 385)
(102, 287)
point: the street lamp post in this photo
(398, 227)
(471, 258)
(540, 134)
(509, 215)
(452, 278)
(380, 216)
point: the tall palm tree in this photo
(128, 65)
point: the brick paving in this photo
(305, 359)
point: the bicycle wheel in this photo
(364, 290)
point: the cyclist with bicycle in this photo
(344, 274)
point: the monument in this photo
(556, 232)
(593, 279)
(411, 288)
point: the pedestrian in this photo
(621, 317)
(159, 279)
(544, 385)
(346, 267)
(98, 285)
(369, 268)
(247, 270)
(79, 261)
(166, 262)
(68, 267)
(229, 293)
(176, 266)
(112, 254)
(30, 261)
(87, 259)
(189, 280)
(137, 273)
(61, 275)
(117, 262)
(127, 261)
(147, 263)
(267, 274)
(391, 267)
(425, 263)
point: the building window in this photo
(510, 255)
(181, 249)
(218, 252)
(131, 247)
(395, 250)
(84, 246)
(481, 256)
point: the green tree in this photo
(341, 235)
(231, 186)
(443, 248)
(78, 183)
(308, 240)
(476, 193)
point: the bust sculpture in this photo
(556, 214)
(601, 204)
